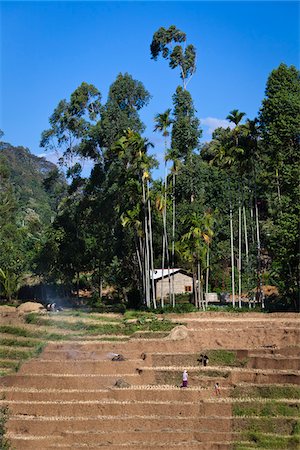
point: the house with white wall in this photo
(183, 282)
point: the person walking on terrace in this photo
(184, 379)
(217, 389)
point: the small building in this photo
(183, 282)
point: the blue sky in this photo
(49, 48)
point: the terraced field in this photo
(71, 394)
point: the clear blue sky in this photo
(49, 48)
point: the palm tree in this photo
(196, 241)
(131, 149)
(226, 153)
(235, 116)
(163, 122)
(172, 155)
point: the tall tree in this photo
(72, 120)
(280, 123)
(162, 123)
(126, 97)
(235, 116)
(171, 44)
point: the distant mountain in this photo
(37, 183)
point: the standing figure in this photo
(184, 379)
(217, 389)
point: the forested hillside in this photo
(227, 211)
(30, 191)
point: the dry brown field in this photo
(73, 395)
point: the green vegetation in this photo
(121, 327)
(280, 425)
(225, 358)
(226, 211)
(266, 417)
(270, 408)
(267, 392)
(268, 441)
(4, 443)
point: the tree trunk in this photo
(147, 265)
(232, 258)
(77, 283)
(151, 248)
(173, 242)
(100, 282)
(200, 302)
(246, 236)
(259, 279)
(207, 270)
(195, 290)
(240, 256)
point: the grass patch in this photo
(4, 414)
(132, 314)
(282, 426)
(84, 327)
(19, 331)
(8, 364)
(268, 392)
(11, 353)
(266, 409)
(124, 327)
(225, 358)
(269, 441)
(16, 343)
(86, 315)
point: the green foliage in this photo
(222, 357)
(125, 98)
(267, 441)
(99, 225)
(71, 120)
(186, 127)
(267, 392)
(4, 415)
(179, 55)
(270, 408)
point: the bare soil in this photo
(68, 398)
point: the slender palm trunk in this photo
(165, 249)
(232, 257)
(259, 278)
(207, 270)
(199, 285)
(151, 248)
(147, 258)
(195, 289)
(162, 268)
(173, 241)
(246, 235)
(240, 256)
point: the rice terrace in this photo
(149, 225)
(70, 391)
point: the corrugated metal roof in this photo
(158, 273)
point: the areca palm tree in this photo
(235, 116)
(162, 124)
(196, 241)
(131, 149)
(172, 156)
(226, 152)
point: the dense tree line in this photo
(227, 211)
